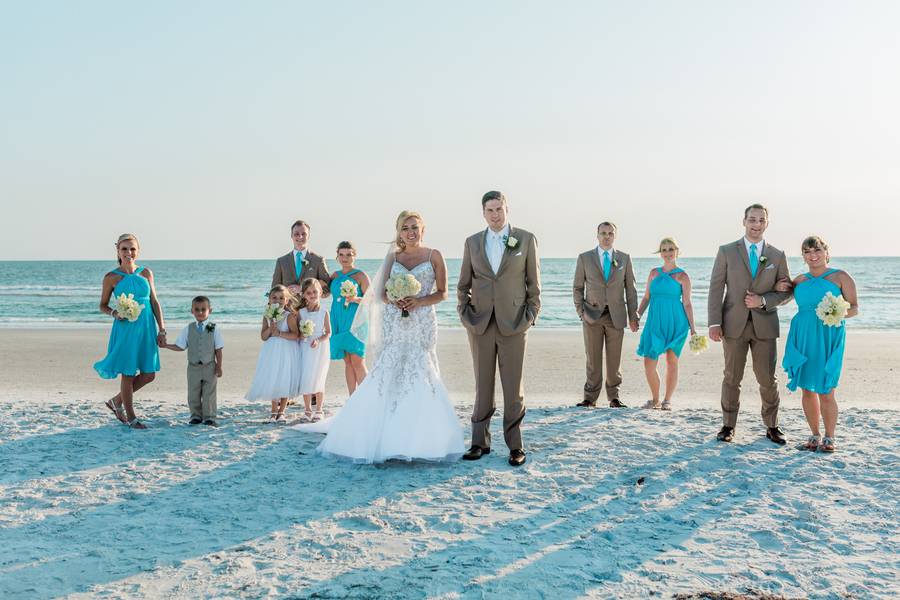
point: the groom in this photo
(299, 264)
(499, 297)
(743, 315)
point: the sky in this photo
(207, 128)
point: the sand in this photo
(612, 503)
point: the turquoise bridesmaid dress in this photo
(342, 341)
(132, 346)
(814, 352)
(667, 324)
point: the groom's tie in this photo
(606, 265)
(754, 260)
(298, 264)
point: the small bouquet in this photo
(348, 291)
(128, 308)
(699, 343)
(274, 313)
(402, 286)
(307, 328)
(832, 310)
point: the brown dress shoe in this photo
(726, 434)
(614, 403)
(476, 452)
(776, 435)
(587, 403)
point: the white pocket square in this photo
(769, 267)
(620, 268)
(517, 254)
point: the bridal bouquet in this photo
(699, 343)
(274, 313)
(307, 328)
(128, 308)
(402, 286)
(348, 290)
(832, 310)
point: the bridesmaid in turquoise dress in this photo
(814, 352)
(344, 345)
(133, 350)
(669, 320)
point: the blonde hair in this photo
(667, 241)
(291, 298)
(401, 218)
(124, 238)
(305, 285)
(812, 242)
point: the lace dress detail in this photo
(402, 409)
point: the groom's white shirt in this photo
(760, 246)
(493, 246)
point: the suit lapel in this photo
(762, 263)
(480, 252)
(505, 255)
(742, 252)
(595, 258)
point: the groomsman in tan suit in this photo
(743, 315)
(299, 264)
(605, 297)
(499, 297)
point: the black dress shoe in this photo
(517, 458)
(614, 403)
(587, 403)
(195, 421)
(211, 423)
(776, 435)
(476, 452)
(726, 434)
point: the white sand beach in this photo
(611, 503)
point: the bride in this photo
(401, 410)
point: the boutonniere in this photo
(762, 259)
(615, 263)
(210, 327)
(510, 242)
(305, 263)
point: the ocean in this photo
(66, 293)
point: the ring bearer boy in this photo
(203, 342)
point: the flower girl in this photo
(278, 369)
(315, 329)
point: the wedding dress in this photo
(401, 410)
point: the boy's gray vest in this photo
(201, 345)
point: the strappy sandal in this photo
(827, 444)
(317, 416)
(666, 405)
(272, 417)
(280, 419)
(117, 409)
(651, 405)
(135, 424)
(812, 443)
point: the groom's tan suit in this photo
(314, 266)
(497, 308)
(743, 328)
(604, 307)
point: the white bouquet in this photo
(402, 286)
(128, 308)
(274, 313)
(832, 310)
(699, 343)
(348, 291)
(307, 328)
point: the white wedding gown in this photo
(401, 410)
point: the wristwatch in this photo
(763, 300)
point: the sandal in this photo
(317, 416)
(135, 424)
(812, 443)
(827, 444)
(666, 405)
(117, 409)
(272, 417)
(280, 419)
(651, 404)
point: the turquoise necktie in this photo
(606, 265)
(298, 264)
(754, 260)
